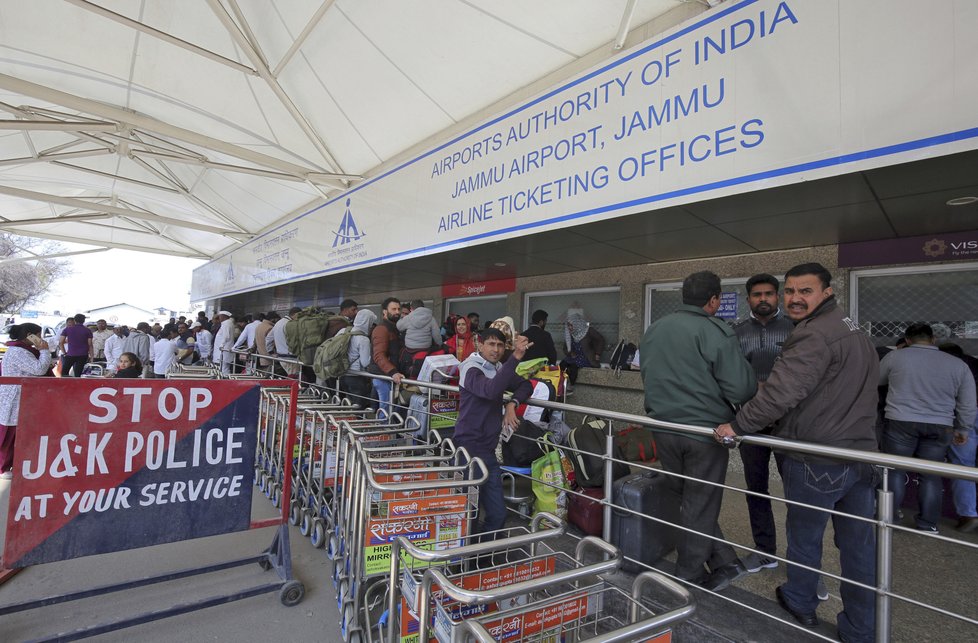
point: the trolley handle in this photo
(682, 612)
(473, 597)
(428, 484)
(512, 542)
(401, 543)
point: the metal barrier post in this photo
(884, 558)
(609, 451)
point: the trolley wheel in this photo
(347, 623)
(295, 513)
(305, 525)
(341, 594)
(317, 535)
(333, 549)
(256, 477)
(276, 497)
(292, 593)
(265, 564)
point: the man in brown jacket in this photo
(822, 390)
(385, 344)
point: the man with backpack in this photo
(385, 344)
(358, 357)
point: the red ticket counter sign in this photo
(108, 465)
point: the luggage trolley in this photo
(524, 579)
(595, 619)
(436, 409)
(307, 454)
(418, 493)
(409, 561)
(272, 443)
(378, 431)
(316, 468)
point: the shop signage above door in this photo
(748, 95)
(952, 246)
(479, 288)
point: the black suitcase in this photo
(640, 538)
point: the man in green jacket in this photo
(694, 372)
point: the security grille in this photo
(664, 300)
(948, 301)
(601, 308)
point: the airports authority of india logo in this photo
(348, 231)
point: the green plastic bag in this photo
(549, 481)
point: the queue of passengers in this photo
(801, 371)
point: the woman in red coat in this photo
(461, 343)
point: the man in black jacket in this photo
(823, 390)
(541, 342)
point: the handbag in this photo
(523, 447)
(549, 482)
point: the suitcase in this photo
(586, 512)
(639, 538)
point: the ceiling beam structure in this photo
(56, 255)
(147, 123)
(110, 209)
(162, 35)
(301, 38)
(258, 60)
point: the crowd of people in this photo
(803, 372)
(797, 368)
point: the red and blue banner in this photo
(104, 465)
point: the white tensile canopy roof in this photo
(184, 127)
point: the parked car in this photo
(48, 334)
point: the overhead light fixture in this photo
(963, 200)
(502, 265)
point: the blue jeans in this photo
(927, 442)
(492, 506)
(843, 487)
(382, 393)
(964, 490)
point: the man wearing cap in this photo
(204, 340)
(224, 341)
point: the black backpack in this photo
(590, 438)
(622, 356)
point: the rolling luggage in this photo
(640, 538)
(586, 512)
(589, 469)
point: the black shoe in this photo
(809, 619)
(967, 525)
(721, 577)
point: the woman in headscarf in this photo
(583, 346)
(461, 343)
(508, 329)
(27, 356)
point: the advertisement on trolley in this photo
(122, 464)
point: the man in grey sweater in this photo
(931, 401)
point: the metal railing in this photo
(883, 522)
